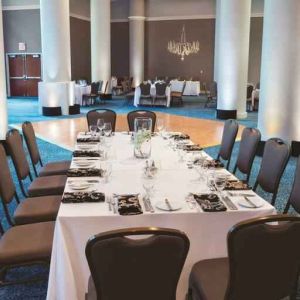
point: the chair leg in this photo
(274, 198)
(234, 169)
(22, 188)
(287, 207)
(35, 171)
(228, 164)
(255, 185)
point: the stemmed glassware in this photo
(107, 129)
(106, 168)
(220, 183)
(160, 125)
(100, 125)
(93, 130)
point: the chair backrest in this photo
(30, 139)
(160, 88)
(228, 138)
(131, 116)
(213, 89)
(275, 157)
(15, 148)
(248, 146)
(257, 86)
(7, 187)
(95, 87)
(145, 89)
(109, 116)
(294, 199)
(249, 91)
(264, 259)
(145, 268)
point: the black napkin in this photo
(212, 164)
(88, 139)
(236, 185)
(191, 148)
(129, 205)
(210, 202)
(89, 172)
(81, 197)
(180, 136)
(86, 153)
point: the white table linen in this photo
(80, 90)
(76, 223)
(192, 88)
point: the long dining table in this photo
(77, 222)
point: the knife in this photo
(229, 203)
(250, 202)
(168, 204)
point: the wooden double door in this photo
(24, 72)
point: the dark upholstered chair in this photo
(30, 210)
(294, 199)
(160, 97)
(275, 158)
(52, 168)
(145, 98)
(109, 116)
(212, 94)
(176, 96)
(40, 186)
(131, 116)
(263, 263)
(24, 245)
(248, 146)
(250, 89)
(147, 268)
(93, 95)
(230, 131)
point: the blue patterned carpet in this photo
(21, 110)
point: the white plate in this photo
(243, 202)
(84, 164)
(80, 185)
(163, 206)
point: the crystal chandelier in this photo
(183, 48)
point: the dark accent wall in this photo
(159, 62)
(120, 49)
(80, 48)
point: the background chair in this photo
(40, 186)
(52, 168)
(131, 116)
(135, 269)
(160, 97)
(108, 115)
(176, 96)
(145, 98)
(294, 199)
(230, 131)
(212, 95)
(250, 89)
(263, 263)
(93, 95)
(275, 158)
(30, 210)
(248, 146)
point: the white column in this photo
(233, 52)
(279, 103)
(56, 90)
(101, 41)
(3, 100)
(137, 40)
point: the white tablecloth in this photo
(80, 90)
(76, 223)
(192, 88)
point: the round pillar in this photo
(279, 103)
(233, 32)
(101, 41)
(137, 40)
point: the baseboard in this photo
(51, 111)
(74, 109)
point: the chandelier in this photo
(183, 48)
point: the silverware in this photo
(168, 204)
(108, 202)
(250, 202)
(150, 206)
(229, 203)
(114, 204)
(231, 194)
(146, 204)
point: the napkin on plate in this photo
(180, 136)
(129, 205)
(89, 172)
(87, 139)
(81, 197)
(191, 148)
(212, 164)
(86, 153)
(236, 185)
(210, 202)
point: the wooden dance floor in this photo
(63, 132)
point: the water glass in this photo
(106, 168)
(220, 183)
(148, 185)
(93, 130)
(107, 129)
(100, 124)
(160, 125)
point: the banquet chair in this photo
(131, 116)
(160, 97)
(294, 199)
(145, 98)
(93, 95)
(146, 268)
(108, 115)
(275, 158)
(51, 168)
(212, 95)
(250, 89)
(263, 263)
(30, 210)
(248, 146)
(40, 186)
(176, 96)
(25, 245)
(230, 131)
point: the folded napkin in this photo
(236, 185)
(210, 202)
(88, 139)
(129, 205)
(211, 164)
(86, 153)
(80, 197)
(180, 136)
(89, 172)
(191, 148)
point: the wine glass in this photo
(220, 183)
(106, 168)
(211, 181)
(100, 124)
(107, 129)
(160, 126)
(93, 130)
(148, 185)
